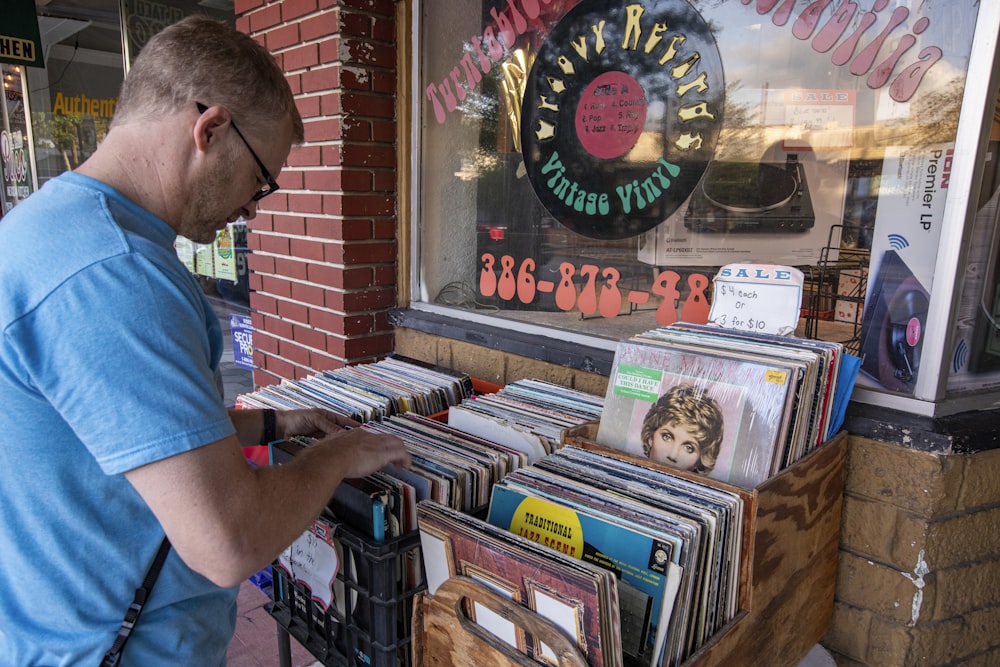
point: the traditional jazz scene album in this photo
(672, 543)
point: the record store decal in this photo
(621, 114)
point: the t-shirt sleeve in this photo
(123, 351)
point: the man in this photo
(112, 429)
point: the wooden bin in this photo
(790, 545)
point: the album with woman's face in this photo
(724, 415)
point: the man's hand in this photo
(312, 422)
(362, 452)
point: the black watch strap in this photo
(270, 431)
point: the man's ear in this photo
(210, 127)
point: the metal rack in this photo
(835, 295)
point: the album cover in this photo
(580, 598)
(641, 559)
(711, 600)
(466, 417)
(687, 543)
(474, 470)
(818, 364)
(369, 392)
(830, 355)
(720, 416)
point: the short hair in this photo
(200, 59)
(696, 411)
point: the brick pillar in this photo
(323, 249)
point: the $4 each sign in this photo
(510, 281)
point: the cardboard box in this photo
(851, 284)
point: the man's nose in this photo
(250, 210)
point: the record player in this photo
(753, 197)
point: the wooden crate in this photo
(789, 570)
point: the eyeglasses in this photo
(272, 186)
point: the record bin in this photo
(373, 627)
(791, 537)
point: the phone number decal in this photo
(599, 293)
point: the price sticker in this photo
(765, 298)
(314, 560)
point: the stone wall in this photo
(919, 574)
(493, 365)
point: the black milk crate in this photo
(379, 584)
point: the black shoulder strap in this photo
(114, 654)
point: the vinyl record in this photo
(907, 318)
(621, 114)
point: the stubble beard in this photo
(207, 217)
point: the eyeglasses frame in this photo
(272, 185)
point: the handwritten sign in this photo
(314, 560)
(766, 298)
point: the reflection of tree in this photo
(742, 137)
(933, 118)
(63, 133)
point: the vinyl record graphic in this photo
(621, 114)
(893, 325)
(905, 329)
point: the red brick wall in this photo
(324, 246)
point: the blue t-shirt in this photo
(108, 359)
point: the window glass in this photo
(73, 96)
(15, 149)
(589, 166)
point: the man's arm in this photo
(314, 422)
(228, 520)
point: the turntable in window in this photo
(761, 197)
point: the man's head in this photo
(202, 60)
(684, 429)
(237, 113)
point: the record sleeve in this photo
(537, 577)
(732, 411)
(642, 561)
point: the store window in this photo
(587, 167)
(15, 139)
(73, 97)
